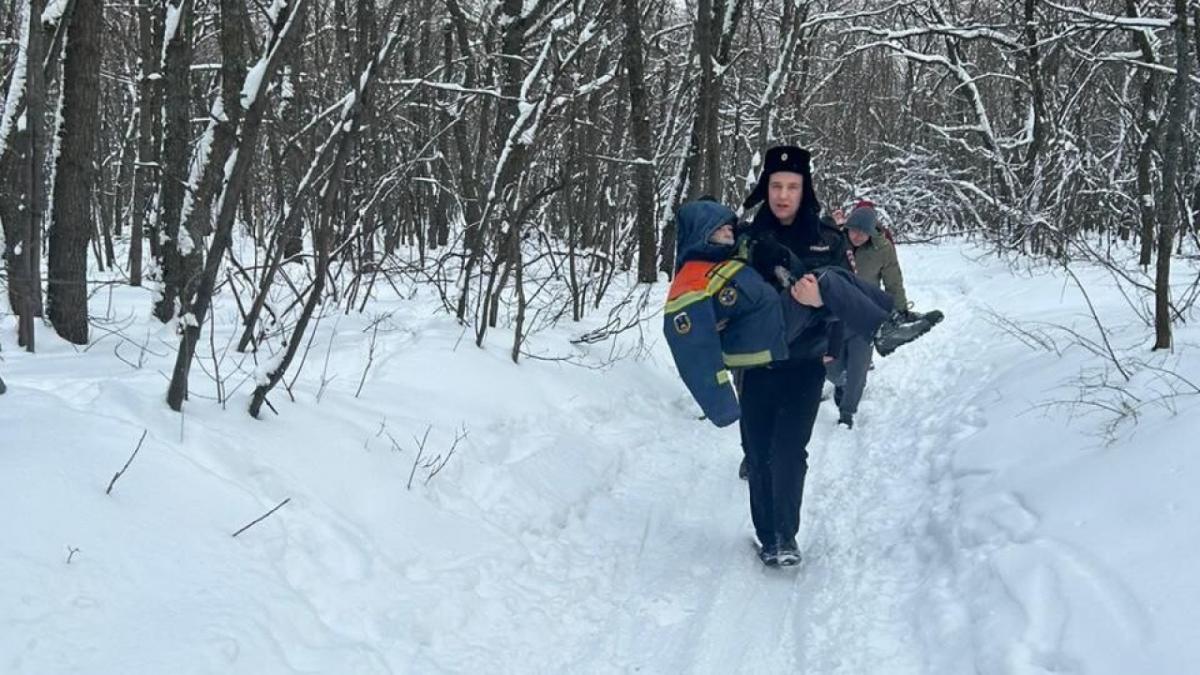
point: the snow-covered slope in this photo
(586, 521)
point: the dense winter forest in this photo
(518, 154)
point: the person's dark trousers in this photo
(849, 371)
(861, 306)
(779, 407)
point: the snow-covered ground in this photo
(586, 521)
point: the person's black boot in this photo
(744, 470)
(769, 555)
(846, 420)
(837, 395)
(896, 332)
(788, 553)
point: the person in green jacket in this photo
(875, 255)
(876, 263)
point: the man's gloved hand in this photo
(767, 254)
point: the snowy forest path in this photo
(671, 577)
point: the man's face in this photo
(785, 190)
(858, 237)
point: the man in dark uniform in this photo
(722, 315)
(779, 403)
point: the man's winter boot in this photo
(788, 553)
(744, 470)
(896, 332)
(837, 395)
(769, 554)
(846, 420)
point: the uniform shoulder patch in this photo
(683, 323)
(728, 296)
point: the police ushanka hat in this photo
(781, 158)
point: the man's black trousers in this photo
(779, 406)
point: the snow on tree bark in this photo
(75, 174)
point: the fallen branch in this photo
(262, 517)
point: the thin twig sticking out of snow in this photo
(437, 466)
(127, 463)
(420, 451)
(370, 358)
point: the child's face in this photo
(723, 235)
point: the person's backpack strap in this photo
(888, 234)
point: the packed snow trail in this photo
(587, 522)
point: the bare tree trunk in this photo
(75, 179)
(25, 235)
(208, 180)
(105, 199)
(639, 119)
(176, 140)
(522, 301)
(286, 34)
(366, 37)
(1033, 66)
(706, 143)
(1150, 127)
(1169, 208)
(146, 174)
(504, 196)
(293, 107)
(127, 160)
(716, 24)
(469, 157)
